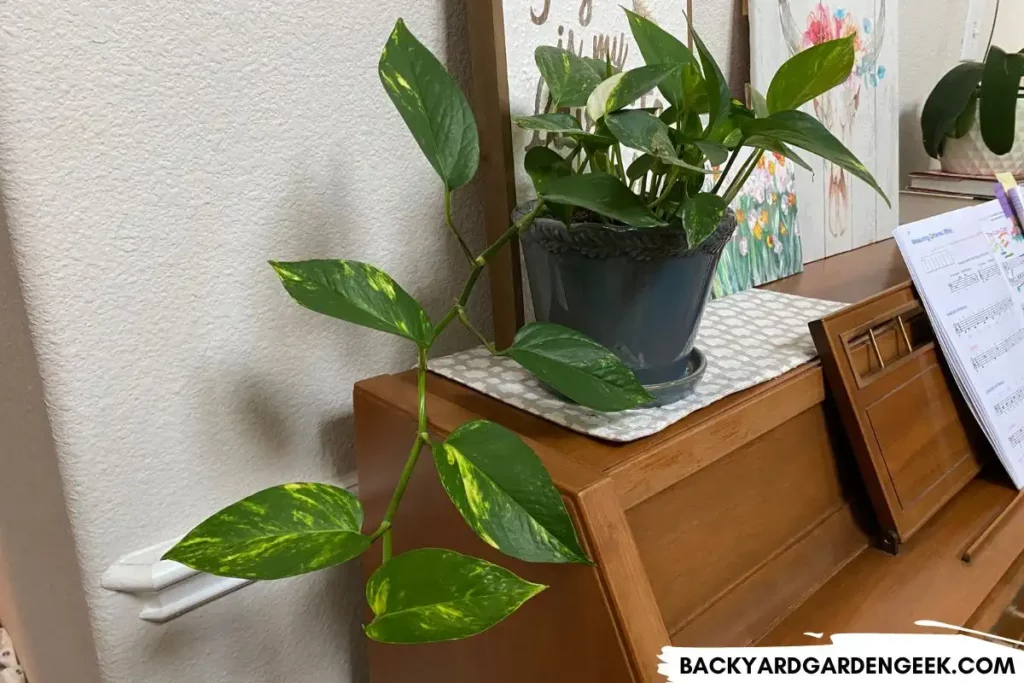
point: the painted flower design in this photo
(744, 248)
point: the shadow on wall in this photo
(42, 603)
(912, 155)
(316, 222)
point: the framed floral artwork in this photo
(766, 245)
(838, 212)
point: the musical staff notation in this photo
(1014, 263)
(988, 271)
(983, 316)
(998, 350)
(1010, 402)
(1017, 437)
(963, 281)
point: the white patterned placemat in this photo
(748, 338)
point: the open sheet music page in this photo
(968, 266)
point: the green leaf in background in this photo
(542, 163)
(946, 103)
(640, 167)
(578, 367)
(563, 124)
(355, 292)
(570, 78)
(998, 102)
(550, 123)
(601, 67)
(759, 103)
(719, 95)
(624, 88)
(279, 532)
(431, 595)
(806, 132)
(967, 117)
(433, 106)
(716, 152)
(701, 216)
(810, 73)
(505, 495)
(638, 129)
(783, 149)
(658, 46)
(600, 192)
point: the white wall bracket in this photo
(168, 589)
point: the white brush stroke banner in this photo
(853, 657)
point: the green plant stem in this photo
(451, 224)
(743, 175)
(728, 167)
(422, 439)
(575, 153)
(617, 151)
(464, 319)
(482, 260)
(673, 176)
(456, 311)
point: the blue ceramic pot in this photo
(640, 292)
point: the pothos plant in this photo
(495, 481)
(985, 93)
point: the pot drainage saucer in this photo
(678, 389)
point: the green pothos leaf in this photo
(600, 192)
(802, 130)
(358, 293)
(687, 90)
(279, 532)
(433, 106)
(701, 216)
(577, 366)
(505, 495)
(552, 123)
(431, 595)
(809, 73)
(570, 78)
(624, 88)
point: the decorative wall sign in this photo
(838, 212)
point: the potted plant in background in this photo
(973, 120)
(626, 253)
(494, 479)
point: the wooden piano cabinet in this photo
(741, 524)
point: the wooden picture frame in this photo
(490, 97)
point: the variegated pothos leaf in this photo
(431, 595)
(505, 495)
(279, 532)
(358, 293)
(432, 105)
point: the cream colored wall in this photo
(42, 603)
(153, 155)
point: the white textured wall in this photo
(931, 38)
(154, 154)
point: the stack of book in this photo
(934, 192)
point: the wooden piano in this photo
(746, 523)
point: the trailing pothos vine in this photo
(494, 480)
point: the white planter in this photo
(969, 155)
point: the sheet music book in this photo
(968, 267)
